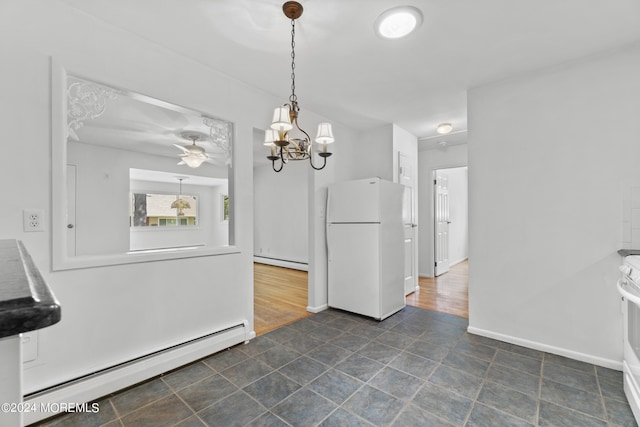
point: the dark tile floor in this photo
(416, 368)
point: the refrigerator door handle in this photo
(326, 239)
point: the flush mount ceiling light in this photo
(444, 128)
(193, 155)
(398, 22)
(279, 138)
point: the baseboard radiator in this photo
(101, 383)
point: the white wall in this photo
(112, 314)
(370, 155)
(549, 156)
(281, 212)
(428, 161)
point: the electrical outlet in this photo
(33, 219)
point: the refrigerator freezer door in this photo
(354, 201)
(354, 268)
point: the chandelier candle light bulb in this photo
(278, 138)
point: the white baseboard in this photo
(110, 380)
(281, 263)
(583, 357)
(458, 262)
(318, 309)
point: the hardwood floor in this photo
(448, 293)
(280, 295)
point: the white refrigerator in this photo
(365, 241)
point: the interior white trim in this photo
(60, 260)
(583, 357)
(102, 383)
(318, 309)
(451, 264)
(63, 262)
(282, 263)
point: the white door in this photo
(71, 210)
(442, 221)
(406, 177)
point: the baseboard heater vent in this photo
(103, 382)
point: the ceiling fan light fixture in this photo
(444, 128)
(193, 161)
(398, 22)
(193, 155)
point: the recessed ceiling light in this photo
(444, 128)
(398, 22)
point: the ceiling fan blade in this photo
(182, 147)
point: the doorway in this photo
(280, 241)
(451, 218)
(448, 291)
(279, 296)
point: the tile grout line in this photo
(538, 403)
(115, 411)
(407, 402)
(187, 405)
(121, 416)
(482, 383)
(602, 402)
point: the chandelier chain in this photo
(293, 97)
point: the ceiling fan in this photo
(192, 155)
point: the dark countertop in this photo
(627, 252)
(26, 301)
